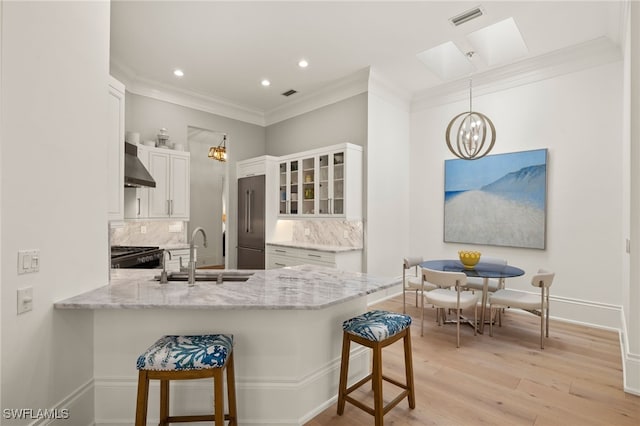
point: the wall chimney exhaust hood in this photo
(135, 174)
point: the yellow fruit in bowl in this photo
(469, 259)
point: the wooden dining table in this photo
(484, 270)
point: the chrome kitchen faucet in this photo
(192, 263)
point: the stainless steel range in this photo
(136, 257)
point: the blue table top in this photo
(483, 270)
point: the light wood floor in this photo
(502, 380)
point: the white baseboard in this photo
(630, 361)
(116, 396)
(76, 409)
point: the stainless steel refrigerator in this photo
(251, 210)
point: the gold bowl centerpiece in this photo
(469, 259)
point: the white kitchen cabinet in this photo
(281, 256)
(171, 196)
(136, 200)
(115, 151)
(322, 183)
(253, 166)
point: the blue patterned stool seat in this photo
(176, 353)
(377, 325)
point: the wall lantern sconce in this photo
(470, 131)
(219, 152)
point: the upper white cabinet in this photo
(171, 196)
(322, 183)
(115, 151)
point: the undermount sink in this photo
(209, 275)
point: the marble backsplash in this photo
(156, 233)
(343, 233)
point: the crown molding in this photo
(161, 92)
(593, 53)
(339, 90)
(381, 86)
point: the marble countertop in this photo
(310, 246)
(296, 287)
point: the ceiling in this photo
(227, 48)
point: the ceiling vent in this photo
(466, 16)
(289, 92)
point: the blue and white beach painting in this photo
(497, 200)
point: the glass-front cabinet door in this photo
(309, 186)
(331, 184)
(337, 180)
(283, 199)
(323, 185)
(289, 180)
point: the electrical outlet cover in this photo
(25, 299)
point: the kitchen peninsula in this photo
(287, 332)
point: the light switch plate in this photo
(28, 261)
(25, 300)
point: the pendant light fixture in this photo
(219, 152)
(469, 131)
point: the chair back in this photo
(543, 279)
(410, 262)
(493, 260)
(444, 279)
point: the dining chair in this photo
(444, 298)
(530, 302)
(493, 284)
(477, 283)
(413, 280)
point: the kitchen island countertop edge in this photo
(303, 287)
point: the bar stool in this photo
(376, 330)
(185, 358)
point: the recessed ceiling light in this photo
(303, 63)
(265, 82)
(178, 73)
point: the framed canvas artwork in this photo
(497, 200)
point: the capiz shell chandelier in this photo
(469, 132)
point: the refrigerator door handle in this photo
(246, 211)
(249, 204)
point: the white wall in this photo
(53, 184)
(146, 116)
(387, 232)
(578, 118)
